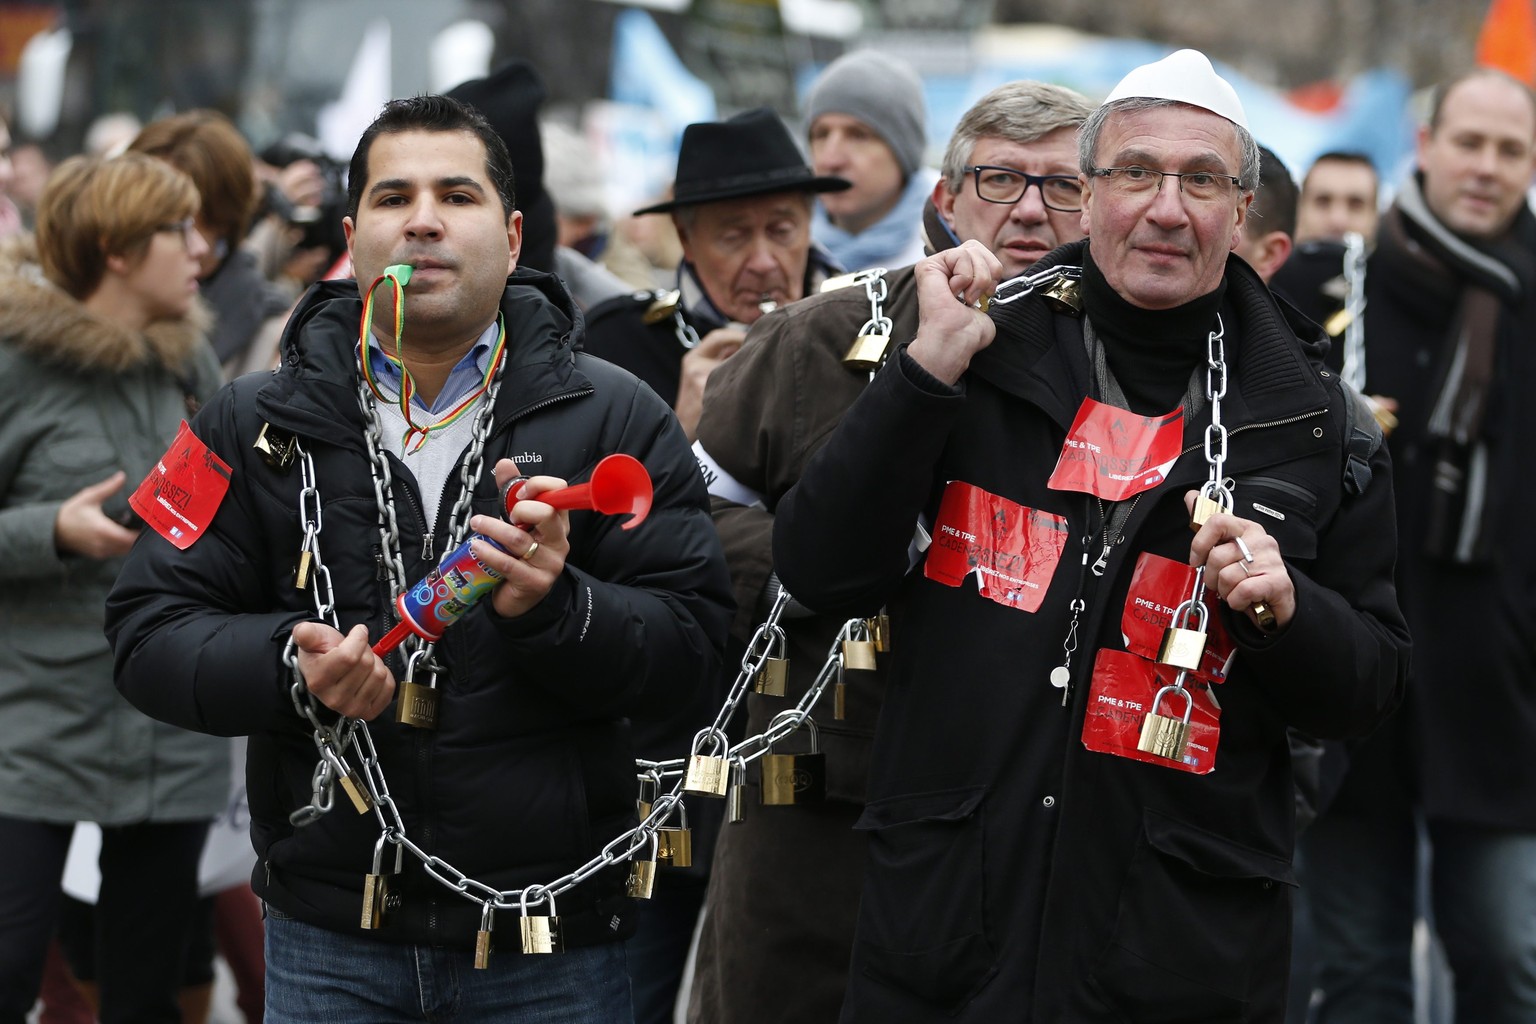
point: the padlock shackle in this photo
(1189, 700)
(1190, 607)
(543, 895)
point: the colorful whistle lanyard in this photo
(399, 277)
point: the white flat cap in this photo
(1186, 77)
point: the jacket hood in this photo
(45, 322)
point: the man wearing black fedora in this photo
(742, 207)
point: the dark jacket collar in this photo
(315, 387)
(1274, 376)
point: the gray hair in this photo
(1088, 137)
(1021, 112)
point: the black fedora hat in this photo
(751, 154)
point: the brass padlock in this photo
(1163, 736)
(867, 352)
(675, 842)
(1265, 616)
(416, 703)
(483, 936)
(735, 800)
(839, 697)
(650, 785)
(880, 629)
(662, 307)
(376, 884)
(357, 792)
(1064, 295)
(1183, 646)
(858, 648)
(277, 448)
(838, 281)
(540, 934)
(1336, 324)
(773, 677)
(708, 774)
(642, 874)
(1212, 499)
(796, 778)
(301, 574)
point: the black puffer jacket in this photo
(1013, 873)
(531, 770)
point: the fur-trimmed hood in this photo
(46, 323)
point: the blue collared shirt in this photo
(465, 376)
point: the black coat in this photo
(1014, 874)
(531, 771)
(1472, 704)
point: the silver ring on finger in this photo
(1241, 546)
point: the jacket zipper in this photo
(1294, 490)
(1264, 426)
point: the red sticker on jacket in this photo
(1158, 586)
(1125, 691)
(1012, 549)
(1114, 453)
(183, 491)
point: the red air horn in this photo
(619, 484)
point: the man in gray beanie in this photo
(865, 116)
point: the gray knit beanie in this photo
(882, 92)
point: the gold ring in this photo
(527, 556)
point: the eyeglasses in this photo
(1197, 186)
(187, 229)
(1007, 185)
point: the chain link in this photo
(1016, 288)
(1216, 487)
(1354, 308)
(876, 290)
(331, 741)
(686, 335)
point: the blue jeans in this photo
(319, 976)
(1484, 885)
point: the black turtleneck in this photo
(1151, 352)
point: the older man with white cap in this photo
(1080, 802)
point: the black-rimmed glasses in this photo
(1007, 185)
(1200, 186)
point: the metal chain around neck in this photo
(1216, 431)
(470, 468)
